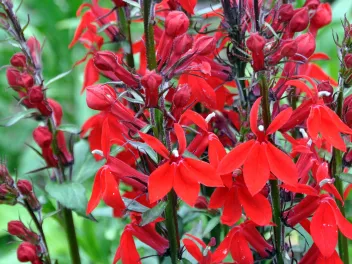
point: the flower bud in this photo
(289, 49)
(35, 50)
(182, 96)
(300, 20)
(306, 47)
(321, 18)
(348, 61)
(18, 60)
(27, 252)
(42, 136)
(8, 194)
(176, 24)
(17, 228)
(151, 82)
(105, 60)
(326, 86)
(56, 108)
(25, 187)
(5, 176)
(4, 22)
(18, 80)
(204, 45)
(312, 4)
(201, 203)
(36, 94)
(182, 44)
(285, 13)
(255, 43)
(100, 97)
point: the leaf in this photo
(69, 194)
(214, 221)
(58, 77)
(18, 116)
(132, 3)
(346, 177)
(144, 148)
(70, 128)
(135, 206)
(85, 165)
(153, 213)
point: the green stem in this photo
(71, 236)
(337, 169)
(275, 191)
(171, 225)
(126, 30)
(171, 208)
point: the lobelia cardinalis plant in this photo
(219, 143)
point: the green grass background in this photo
(54, 22)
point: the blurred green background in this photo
(54, 22)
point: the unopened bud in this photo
(100, 97)
(36, 94)
(42, 136)
(151, 82)
(25, 187)
(18, 80)
(300, 20)
(182, 96)
(27, 252)
(18, 60)
(289, 49)
(201, 203)
(348, 61)
(204, 45)
(176, 23)
(105, 60)
(327, 88)
(17, 228)
(285, 12)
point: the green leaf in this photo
(70, 128)
(346, 177)
(135, 206)
(58, 77)
(211, 225)
(144, 148)
(18, 116)
(153, 213)
(132, 3)
(69, 194)
(85, 165)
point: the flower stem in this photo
(275, 191)
(171, 207)
(336, 169)
(71, 236)
(171, 225)
(125, 23)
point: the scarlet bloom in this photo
(178, 172)
(259, 157)
(255, 43)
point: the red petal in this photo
(198, 240)
(222, 250)
(96, 192)
(301, 188)
(111, 194)
(232, 208)
(180, 134)
(105, 138)
(155, 144)
(195, 118)
(313, 123)
(347, 191)
(301, 85)
(127, 250)
(333, 259)
(254, 116)
(337, 121)
(216, 150)
(193, 249)
(218, 198)
(319, 56)
(160, 182)
(188, 5)
(203, 172)
(256, 168)
(186, 187)
(323, 229)
(91, 74)
(257, 208)
(240, 250)
(344, 225)
(281, 165)
(235, 158)
(279, 121)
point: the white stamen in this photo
(303, 132)
(98, 152)
(261, 128)
(325, 181)
(323, 93)
(209, 117)
(108, 95)
(175, 153)
(309, 143)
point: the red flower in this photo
(260, 157)
(180, 173)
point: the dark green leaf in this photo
(153, 213)
(144, 148)
(134, 206)
(17, 117)
(346, 177)
(70, 128)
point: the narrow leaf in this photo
(153, 213)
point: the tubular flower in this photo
(259, 156)
(178, 172)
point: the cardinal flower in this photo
(321, 119)
(259, 156)
(178, 172)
